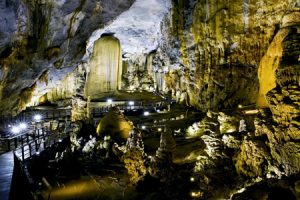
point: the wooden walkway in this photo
(6, 172)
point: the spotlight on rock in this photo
(22, 126)
(37, 117)
(146, 113)
(15, 129)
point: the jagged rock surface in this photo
(213, 49)
(45, 37)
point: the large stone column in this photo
(105, 67)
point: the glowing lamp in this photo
(196, 194)
(131, 103)
(37, 117)
(146, 113)
(109, 101)
(22, 126)
(143, 127)
(15, 129)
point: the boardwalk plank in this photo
(6, 172)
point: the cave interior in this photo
(149, 99)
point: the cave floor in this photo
(95, 178)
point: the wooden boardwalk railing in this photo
(13, 142)
(37, 145)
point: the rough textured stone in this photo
(39, 36)
(115, 124)
(251, 159)
(216, 47)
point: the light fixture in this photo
(159, 129)
(22, 125)
(240, 106)
(109, 101)
(196, 194)
(158, 110)
(37, 117)
(59, 140)
(131, 103)
(37, 153)
(192, 179)
(143, 127)
(146, 113)
(15, 129)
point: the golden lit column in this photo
(105, 67)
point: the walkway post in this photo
(29, 148)
(8, 145)
(16, 142)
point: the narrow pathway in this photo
(6, 172)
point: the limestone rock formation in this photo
(38, 37)
(79, 101)
(251, 159)
(215, 48)
(134, 163)
(166, 147)
(115, 124)
(105, 69)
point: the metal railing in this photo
(37, 145)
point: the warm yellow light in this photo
(192, 179)
(196, 194)
(251, 112)
(230, 130)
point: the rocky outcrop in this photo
(79, 102)
(115, 124)
(40, 36)
(252, 159)
(215, 48)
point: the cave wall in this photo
(222, 52)
(45, 36)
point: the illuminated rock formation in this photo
(269, 64)
(105, 67)
(216, 47)
(38, 36)
(115, 124)
(79, 102)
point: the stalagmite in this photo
(105, 67)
